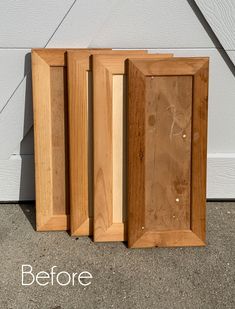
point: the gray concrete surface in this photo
(122, 278)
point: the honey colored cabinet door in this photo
(50, 104)
(167, 129)
(109, 116)
(50, 138)
(80, 98)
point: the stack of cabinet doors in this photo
(120, 145)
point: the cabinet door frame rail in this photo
(138, 70)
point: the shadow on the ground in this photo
(30, 213)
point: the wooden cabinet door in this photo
(80, 97)
(167, 133)
(109, 114)
(50, 102)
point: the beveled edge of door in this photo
(176, 238)
(54, 223)
(78, 64)
(170, 66)
(58, 56)
(115, 232)
(53, 57)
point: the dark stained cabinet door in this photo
(167, 128)
(168, 152)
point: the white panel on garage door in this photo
(152, 24)
(16, 119)
(220, 14)
(14, 63)
(83, 23)
(30, 23)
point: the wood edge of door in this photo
(78, 63)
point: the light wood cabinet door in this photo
(50, 104)
(80, 105)
(109, 116)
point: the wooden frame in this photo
(142, 116)
(50, 138)
(80, 110)
(109, 138)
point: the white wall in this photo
(162, 25)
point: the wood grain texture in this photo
(118, 138)
(50, 103)
(59, 142)
(49, 69)
(80, 137)
(199, 151)
(167, 159)
(108, 204)
(78, 66)
(80, 140)
(166, 173)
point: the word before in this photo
(62, 278)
